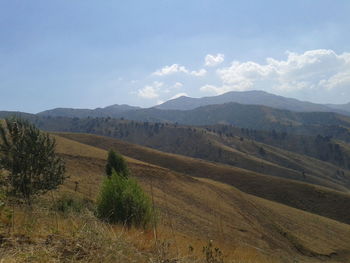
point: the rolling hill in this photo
(246, 116)
(113, 110)
(314, 159)
(202, 208)
(343, 107)
(196, 200)
(315, 199)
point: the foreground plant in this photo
(29, 157)
(122, 200)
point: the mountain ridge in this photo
(254, 97)
(107, 111)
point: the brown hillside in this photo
(311, 198)
(313, 159)
(200, 209)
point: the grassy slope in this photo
(202, 209)
(244, 154)
(278, 162)
(315, 199)
(217, 147)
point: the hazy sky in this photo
(84, 53)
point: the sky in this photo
(88, 54)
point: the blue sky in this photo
(87, 54)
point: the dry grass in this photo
(315, 199)
(191, 212)
(210, 210)
(42, 235)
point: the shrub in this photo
(212, 255)
(116, 162)
(68, 203)
(122, 200)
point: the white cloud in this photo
(168, 70)
(313, 70)
(157, 84)
(150, 91)
(176, 68)
(341, 79)
(199, 73)
(214, 60)
(177, 85)
(178, 95)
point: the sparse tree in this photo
(30, 159)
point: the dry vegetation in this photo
(191, 210)
(315, 199)
(280, 154)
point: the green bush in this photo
(122, 200)
(116, 162)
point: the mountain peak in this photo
(253, 97)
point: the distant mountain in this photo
(183, 103)
(246, 116)
(254, 97)
(342, 107)
(110, 111)
(255, 117)
(7, 114)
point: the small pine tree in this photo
(122, 200)
(30, 159)
(117, 163)
(262, 151)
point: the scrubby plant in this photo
(29, 157)
(122, 200)
(116, 162)
(69, 203)
(212, 254)
(5, 213)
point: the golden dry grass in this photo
(192, 211)
(308, 197)
(204, 209)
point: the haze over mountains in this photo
(286, 115)
(255, 97)
(186, 103)
(112, 110)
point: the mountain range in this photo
(110, 111)
(255, 97)
(306, 118)
(186, 103)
